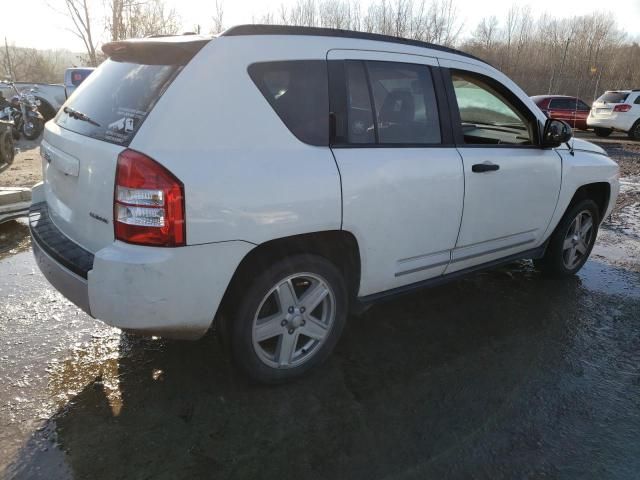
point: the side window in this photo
(298, 92)
(637, 102)
(562, 104)
(487, 116)
(360, 127)
(405, 104)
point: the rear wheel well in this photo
(598, 192)
(337, 246)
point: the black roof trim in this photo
(248, 29)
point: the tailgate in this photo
(79, 174)
(99, 120)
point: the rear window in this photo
(116, 97)
(298, 92)
(613, 97)
(78, 76)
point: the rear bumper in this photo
(169, 292)
(615, 122)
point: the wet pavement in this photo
(506, 374)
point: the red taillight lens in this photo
(148, 207)
(625, 107)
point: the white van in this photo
(277, 178)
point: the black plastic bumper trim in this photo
(64, 251)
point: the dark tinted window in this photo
(298, 92)
(405, 103)
(360, 127)
(637, 102)
(613, 97)
(117, 97)
(562, 104)
(78, 76)
(583, 106)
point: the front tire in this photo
(572, 241)
(602, 132)
(289, 319)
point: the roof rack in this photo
(258, 29)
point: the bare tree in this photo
(140, 18)
(218, 15)
(80, 13)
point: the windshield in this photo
(613, 97)
(115, 98)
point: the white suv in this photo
(616, 110)
(277, 178)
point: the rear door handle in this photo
(485, 167)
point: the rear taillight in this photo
(148, 207)
(624, 107)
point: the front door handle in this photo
(485, 167)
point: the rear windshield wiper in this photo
(79, 116)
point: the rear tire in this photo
(572, 240)
(288, 320)
(602, 132)
(634, 133)
(35, 130)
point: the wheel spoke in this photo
(572, 257)
(568, 243)
(581, 247)
(286, 296)
(313, 296)
(286, 348)
(586, 226)
(269, 327)
(578, 223)
(313, 328)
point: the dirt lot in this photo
(502, 375)
(26, 169)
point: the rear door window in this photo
(116, 97)
(405, 103)
(298, 91)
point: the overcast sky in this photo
(34, 24)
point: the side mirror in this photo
(555, 133)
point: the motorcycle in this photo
(22, 110)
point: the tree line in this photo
(581, 55)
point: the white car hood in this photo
(583, 146)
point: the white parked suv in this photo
(277, 178)
(616, 110)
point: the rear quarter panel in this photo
(246, 176)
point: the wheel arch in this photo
(599, 192)
(338, 246)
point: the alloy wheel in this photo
(293, 320)
(578, 239)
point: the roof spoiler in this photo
(156, 51)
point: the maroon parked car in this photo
(570, 109)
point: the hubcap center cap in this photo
(296, 321)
